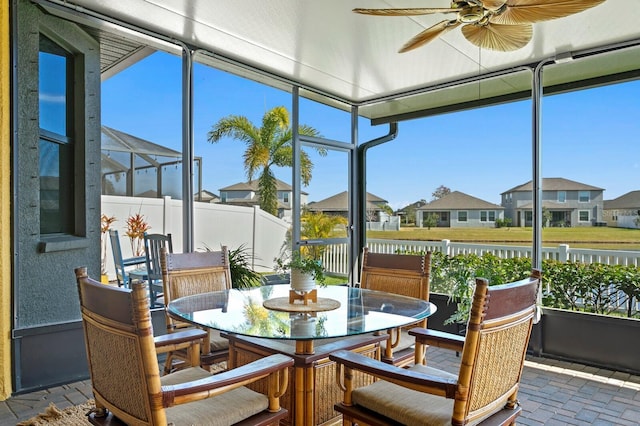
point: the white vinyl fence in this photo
(335, 262)
(335, 257)
(215, 225)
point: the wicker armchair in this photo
(407, 275)
(185, 274)
(125, 376)
(485, 389)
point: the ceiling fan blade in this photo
(404, 12)
(493, 4)
(429, 34)
(503, 38)
(530, 11)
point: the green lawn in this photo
(604, 238)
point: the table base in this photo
(312, 389)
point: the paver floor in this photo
(551, 393)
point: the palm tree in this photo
(267, 146)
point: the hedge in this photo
(595, 287)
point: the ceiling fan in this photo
(502, 25)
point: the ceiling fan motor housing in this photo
(471, 14)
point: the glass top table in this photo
(347, 320)
(241, 311)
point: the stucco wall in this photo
(44, 287)
(44, 297)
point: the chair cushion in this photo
(409, 407)
(217, 343)
(222, 410)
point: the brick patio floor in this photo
(551, 393)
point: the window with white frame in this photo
(584, 196)
(583, 215)
(462, 216)
(562, 196)
(487, 216)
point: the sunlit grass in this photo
(580, 237)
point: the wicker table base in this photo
(312, 389)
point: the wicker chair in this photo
(184, 274)
(485, 389)
(407, 275)
(125, 377)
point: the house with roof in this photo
(247, 194)
(460, 210)
(338, 204)
(569, 203)
(409, 212)
(624, 211)
(205, 196)
(377, 217)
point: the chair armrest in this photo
(226, 381)
(186, 339)
(137, 260)
(179, 337)
(437, 338)
(401, 376)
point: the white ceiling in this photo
(323, 46)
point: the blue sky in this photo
(589, 136)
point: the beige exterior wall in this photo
(5, 205)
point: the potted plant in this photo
(305, 271)
(242, 275)
(105, 226)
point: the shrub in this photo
(591, 287)
(430, 221)
(503, 223)
(594, 287)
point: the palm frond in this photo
(234, 126)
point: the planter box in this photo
(445, 310)
(598, 340)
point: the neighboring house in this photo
(624, 211)
(205, 196)
(338, 205)
(459, 210)
(247, 194)
(569, 203)
(409, 212)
